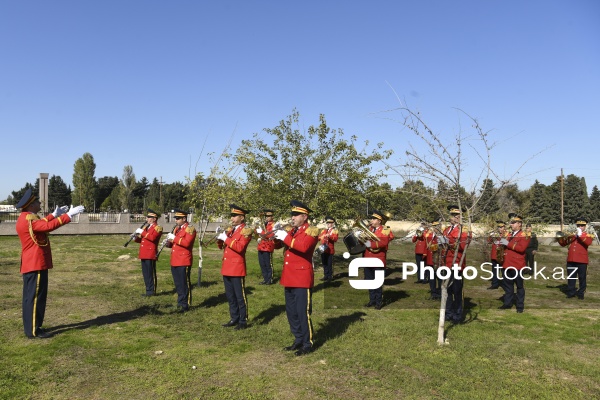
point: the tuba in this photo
(356, 238)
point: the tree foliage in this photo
(59, 194)
(84, 182)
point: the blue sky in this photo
(147, 83)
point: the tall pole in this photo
(562, 199)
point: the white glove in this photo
(281, 234)
(58, 211)
(75, 210)
(222, 236)
(579, 232)
(259, 230)
(504, 241)
(368, 243)
(139, 231)
(170, 236)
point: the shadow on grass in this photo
(213, 301)
(269, 314)
(392, 296)
(108, 319)
(333, 328)
(205, 284)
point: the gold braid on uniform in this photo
(247, 231)
(158, 228)
(30, 218)
(312, 231)
(190, 229)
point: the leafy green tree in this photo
(174, 196)
(153, 196)
(488, 200)
(576, 200)
(539, 205)
(84, 182)
(58, 192)
(319, 167)
(127, 185)
(139, 193)
(113, 201)
(553, 197)
(595, 205)
(106, 185)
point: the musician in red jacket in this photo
(515, 245)
(420, 250)
(577, 258)
(181, 241)
(149, 237)
(455, 240)
(377, 249)
(298, 276)
(433, 259)
(266, 246)
(36, 258)
(233, 268)
(327, 239)
(494, 239)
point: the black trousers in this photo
(183, 286)
(512, 279)
(375, 295)
(35, 292)
(418, 259)
(235, 290)
(576, 271)
(496, 274)
(327, 262)
(530, 259)
(454, 303)
(435, 283)
(298, 307)
(149, 273)
(265, 260)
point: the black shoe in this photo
(505, 307)
(520, 311)
(492, 287)
(580, 296)
(303, 351)
(241, 326)
(294, 346)
(369, 304)
(40, 335)
(229, 324)
(378, 306)
(262, 283)
(569, 296)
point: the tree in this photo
(318, 167)
(139, 192)
(106, 185)
(58, 192)
(576, 201)
(488, 198)
(84, 182)
(127, 185)
(595, 205)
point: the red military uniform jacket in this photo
(234, 255)
(329, 237)
(181, 248)
(432, 246)
(514, 254)
(578, 252)
(149, 242)
(297, 258)
(266, 243)
(456, 245)
(379, 249)
(421, 245)
(35, 244)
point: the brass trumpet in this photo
(567, 236)
(219, 229)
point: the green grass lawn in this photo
(112, 343)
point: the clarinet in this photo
(162, 246)
(133, 234)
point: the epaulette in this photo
(32, 217)
(386, 230)
(312, 231)
(528, 234)
(247, 231)
(158, 228)
(190, 229)
(591, 235)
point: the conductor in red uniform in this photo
(266, 246)
(577, 259)
(298, 276)
(148, 237)
(377, 249)
(327, 238)
(455, 239)
(181, 241)
(36, 258)
(515, 245)
(233, 268)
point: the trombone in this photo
(218, 231)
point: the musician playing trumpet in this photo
(266, 246)
(577, 258)
(148, 238)
(514, 262)
(420, 250)
(327, 239)
(497, 254)
(377, 249)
